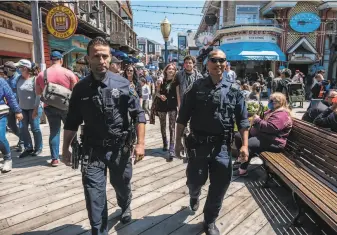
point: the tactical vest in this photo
(228, 94)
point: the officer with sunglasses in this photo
(211, 104)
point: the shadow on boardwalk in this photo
(278, 207)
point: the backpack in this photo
(55, 95)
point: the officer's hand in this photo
(139, 152)
(19, 116)
(66, 157)
(163, 98)
(178, 149)
(243, 157)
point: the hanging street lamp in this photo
(165, 27)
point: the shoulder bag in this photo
(55, 95)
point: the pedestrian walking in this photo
(131, 74)
(29, 102)
(210, 105)
(167, 106)
(64, 80)
(103, 101)
(7, 93)
(146, 94)
(13, 75)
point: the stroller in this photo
(296, 93)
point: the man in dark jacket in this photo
(315, 110)
(319, 89)
(328, 119)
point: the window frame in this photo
(253, 6)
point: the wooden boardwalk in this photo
(38, 199)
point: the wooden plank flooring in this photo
(37, 199)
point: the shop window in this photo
(246, 14)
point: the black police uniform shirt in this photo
(82, 107)
(201, 106)
(168, 89)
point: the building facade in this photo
(150, 51)
(258, 36)
(95, 18)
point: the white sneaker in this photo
(7, 166)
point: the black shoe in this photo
(165, 148)
(169, 159)
(211, 229)
(126, 216)
(37, 152)
(26, 153)
(194, 204)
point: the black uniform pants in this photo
(94, 183)
(212, 159)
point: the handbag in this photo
(55, 95)
(4, 109)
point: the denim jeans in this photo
(55, 116)
(35, 128)
(4, 145)
(14, 127)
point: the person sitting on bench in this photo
(328, 119)
(315, 110)
(268, 133)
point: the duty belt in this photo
(202, 139)
(103, 142)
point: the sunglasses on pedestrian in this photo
(216, 60)
(129, 70)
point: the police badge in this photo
(115, 93)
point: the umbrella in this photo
(120, 54)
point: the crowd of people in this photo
(201, 109)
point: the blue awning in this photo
(261, 51)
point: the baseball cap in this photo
(24, 63)
(10, 65)
(228, 64)
(114, 60)
(56, 55)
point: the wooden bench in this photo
(309, 167)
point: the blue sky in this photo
(155, 34)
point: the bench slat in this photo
(321, 191)
(329, 216)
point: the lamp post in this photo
(165, 28)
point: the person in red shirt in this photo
(58, 75)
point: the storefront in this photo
(16, 39)
(74, 50)
(252, 54)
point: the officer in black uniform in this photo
(210, 104)
(104, 103)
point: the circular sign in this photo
(305, 22)
(61, 22)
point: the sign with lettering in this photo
(61, 22)
(13, 25)
(249, 38)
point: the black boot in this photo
(126, 216)
(194, 204)
(211, 229)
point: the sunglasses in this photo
(129, 70)
(216, 60)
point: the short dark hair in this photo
(287, 73)
(97, 41)
(189, 57)
(143, 79)
(278, 73)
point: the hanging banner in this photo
(61, 22)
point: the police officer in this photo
(102, 101)
(210, 104)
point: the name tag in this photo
(85, 98)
